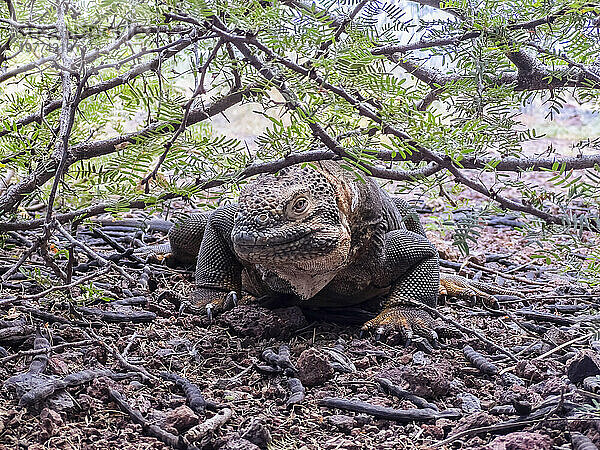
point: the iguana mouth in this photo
(299, 248)
(250, 240)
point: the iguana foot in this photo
(401, 324)
(457, 286)
(210, 301)
(155, 253)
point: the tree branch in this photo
(69, 103)
(103, 86)
(46, 171)
(6, 46)
(251, 170)
(440, 161)
(425, 43)
(186, 115)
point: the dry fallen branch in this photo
(542, 414)
(92, 254)
(582, 442)
(382, 412)
(480, 361)
(148, 428)
(45, 390)
(297, 392)
(467, 330)
(192, 391)
(281, 359)
(90, 334)
(118, 316)
(201, 432)
(396, 391)
(46, 350)
(11, 332)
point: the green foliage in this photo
(475, 115)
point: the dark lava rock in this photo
(508, 379)
(521, 440)
(394, 374)
(262, 323)
(470, 403)
(431, 381)
(239, 444)
(291, 319)
(531, 370)
(181, 418)
(516, 394)
(552, 386)
(342, 422)
(433, 431)
(50, 422)
(313, 367)
(585, 364)
(256, 432)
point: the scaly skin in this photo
(326, 239)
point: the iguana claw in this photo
(400, 324)
(232, 298)
(212, 301)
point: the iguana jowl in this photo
(328, 239)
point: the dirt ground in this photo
(541, 385)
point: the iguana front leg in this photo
(412, 254)
(218, 271)
(185, 238)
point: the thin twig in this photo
(77, 282)
(92, 254)
(54, 348)
(478, 335)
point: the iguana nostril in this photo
(244, 238)
(262, 219)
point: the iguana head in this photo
(291, 223)
(307, 222)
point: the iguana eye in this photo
(298, 207)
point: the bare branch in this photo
(588, 71)
(340, 28)
(27, 25)
(25, 68)
(391, 49)
(69, 102)
(93, 255)
(505, 202)
(440, 161)
(249, 171)
(6, 46)
(184, 122)
(313, 10)
(46, 171)
(105, 85)
(525, 62)
(546, 78)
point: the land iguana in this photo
(318, 233)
